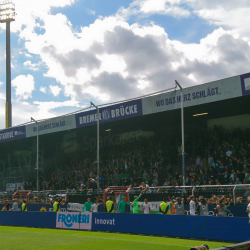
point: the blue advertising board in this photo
(234, 211)
(204, 227)
(28, 219)
(11, 134)
(110, 113)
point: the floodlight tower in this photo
(7, 15)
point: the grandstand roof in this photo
(222, 98)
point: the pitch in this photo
(36, 238)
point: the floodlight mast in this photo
(182, 136)
(37, 153)
(98, 149)
(7, 15)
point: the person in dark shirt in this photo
(7, 206)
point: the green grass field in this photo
(34, 238)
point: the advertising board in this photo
(197, 95)
(52, 125)
(75, 207)
(110, 113)
(245, 84)
(11, 134)
(74, 220)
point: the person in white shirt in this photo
(94, 208)
(192, 205)
(248, 208)
(145, 188)
(229, 152)
(146, 207)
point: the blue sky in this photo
(66, 53)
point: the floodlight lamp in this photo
(200, 114)
(7, 11)
(108, 130)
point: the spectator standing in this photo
(94, 208)
(145, 188)
(135, 203)
(198, 161)
(229, 152)
(110, 205)
(238, 181)
(248, 208)
(163, 208)
(245, 169)
(122, 205)
(209, 160)
(146, 207)
(166, 183)
(87, 205)
(15, 205)
(7, 206)
(192, 205)
(155, 182)
(171, 206)
(24, 206)
(202, 207)
(179, 207)
(56, 205)
(221, 209)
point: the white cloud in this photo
(55, 90)
(43, 89)
(26, 54)
(192, 77)
(31, 66)
(150, 7)
(24, 85)
(113, 60)
(48, 106)
(90, 12)
(22, 111)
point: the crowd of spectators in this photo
(224, 158)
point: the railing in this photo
(235, 194)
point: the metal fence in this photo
(236, 194)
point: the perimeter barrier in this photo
(200, 227)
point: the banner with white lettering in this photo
(12, 134)
(110, 113)
(51, 126)
(197, 95)
(245, 84)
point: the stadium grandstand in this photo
(140, 140)
(140, 159)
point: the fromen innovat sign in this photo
(105, 221)
(74, 220)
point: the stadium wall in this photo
(201, 227)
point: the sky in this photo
(66, 53)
